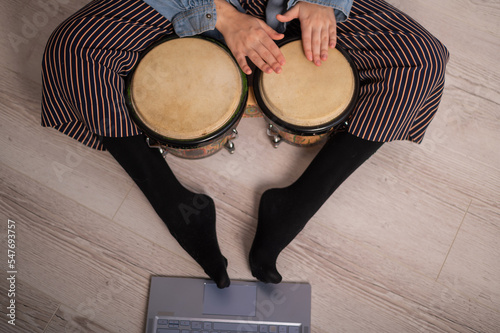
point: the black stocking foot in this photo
(280, 221)
(283, 213)
(190, 217)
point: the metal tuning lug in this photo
(163, 152)
(274, 135)
(156, 144)
(230, 146)
(276, 141)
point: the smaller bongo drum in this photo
(305, 103)
(187, 95)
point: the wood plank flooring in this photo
(409, 243)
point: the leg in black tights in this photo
(284, 212)
(190, 217)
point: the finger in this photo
(242, 62)
(268, 49)
(333, 36)
(306, 43)
(258, 61)
(325, 44)
(316, 46)
(291, 14)
(273, 51)
(271, 32)
(269, 58)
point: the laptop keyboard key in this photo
(235, 327)
(186, 325)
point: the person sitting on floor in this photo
(401, 67)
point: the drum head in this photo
(185, 89)
(304, 95)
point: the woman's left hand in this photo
(319, 29)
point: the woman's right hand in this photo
(248, 36)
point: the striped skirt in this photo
(87, 58)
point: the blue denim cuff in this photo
(196, 20)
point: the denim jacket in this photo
(194, 17)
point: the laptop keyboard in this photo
(183, 325)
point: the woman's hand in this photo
(319, 29)
(247, 36)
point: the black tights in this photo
(190, 217)
(283, 213)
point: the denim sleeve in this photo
(189, 17)
(342, 7)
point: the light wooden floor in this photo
(410, 243)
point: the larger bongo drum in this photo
(187, 95)
(305, 103)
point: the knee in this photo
(54, 53)
(433, 57)
(64, 41)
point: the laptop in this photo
(188, 305)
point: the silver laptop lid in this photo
(254, 302)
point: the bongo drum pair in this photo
(188, 96)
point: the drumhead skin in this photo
(305, 98)
(186, 90)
